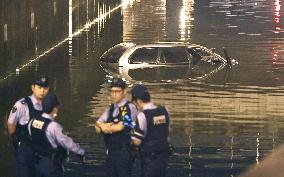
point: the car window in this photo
(144, 55)
(174, 55)
(113, 54)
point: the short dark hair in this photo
(145, 98)
(140, 92)
(49, 102)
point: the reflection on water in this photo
(173, 20)
(220, 125)
(134, 15)
(186, 16)
(277, 16)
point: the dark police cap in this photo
(41, 80)
(118, 82)
(140, 91)
(49, 102)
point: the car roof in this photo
(161, 44)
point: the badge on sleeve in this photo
(14, 109)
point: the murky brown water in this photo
(220, 125)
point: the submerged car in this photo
(162, 61)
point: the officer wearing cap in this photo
(23, 110)
(151, 133)
(49, 142)
(115, 124)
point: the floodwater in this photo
(220, 124)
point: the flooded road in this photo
(220, 124)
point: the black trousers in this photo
(45, 167)
(24, 157)
(154, 165)
(119, 162)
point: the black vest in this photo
(39, 140)
(22, 130)
(119, 139)
(156, 140)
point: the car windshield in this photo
(113, 54)
(144, 55)
(202, 52)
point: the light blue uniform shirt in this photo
(132, 107)
(56, 137)
(20, 111)
(142, 121)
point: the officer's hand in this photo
(106, 128)
(82, 159)
(98, 129)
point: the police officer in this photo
(151, 133)
(49, 142)
(115, 124)
(23, 110)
